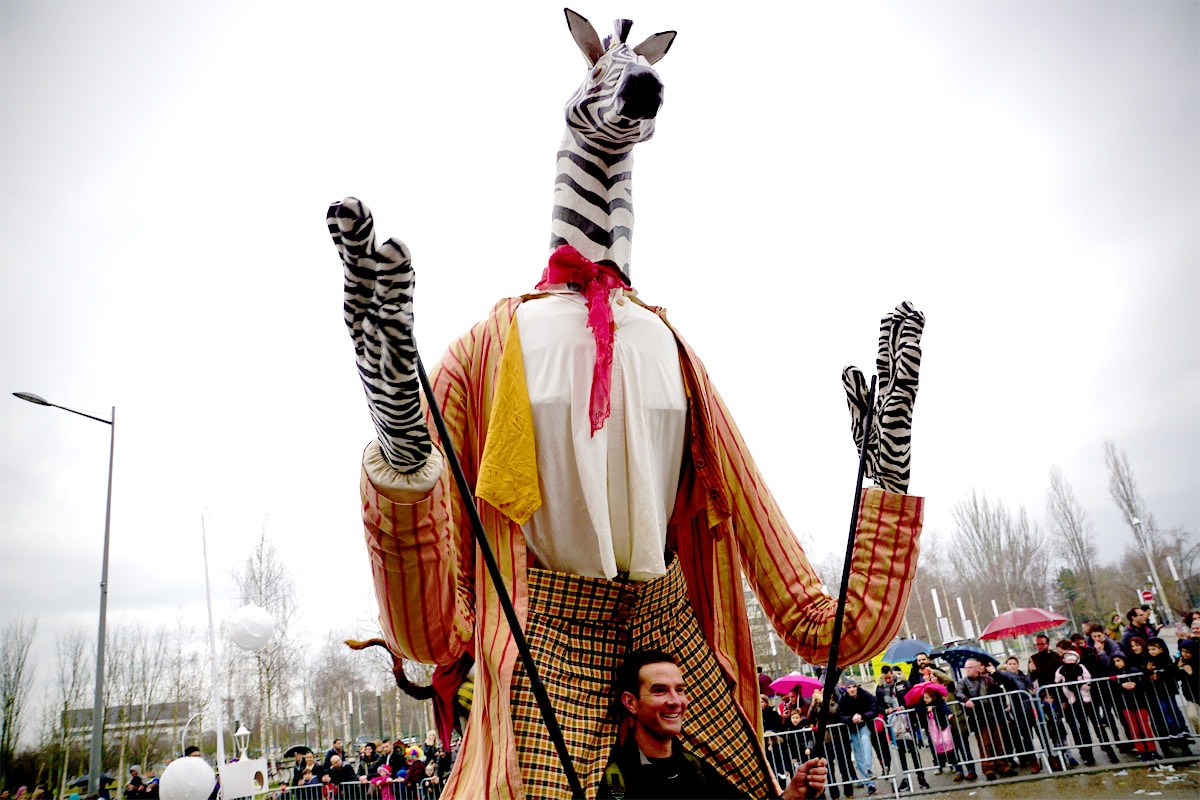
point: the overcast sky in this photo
(1028, 174)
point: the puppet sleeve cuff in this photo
(401, 487)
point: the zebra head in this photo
(615, 106)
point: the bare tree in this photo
(186, 675)
(70, 694)
(1122, 486)
(334, 672)
(16, 679)
(1028, 559)
(266, 582)
(1000, 556)
(1073, 533)
(1124, 491)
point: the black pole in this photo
(832, 671)
(535, 683)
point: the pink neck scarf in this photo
(568, 265)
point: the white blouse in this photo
(606, 498)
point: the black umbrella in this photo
(82, 781)
(959, 654)
(296, 749)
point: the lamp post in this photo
(241, 738)
(1158, 587)
(379, 712)
(98, 701)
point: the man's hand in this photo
(898, 362)
(809, 780)
(378, 309)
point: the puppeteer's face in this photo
(659, 706)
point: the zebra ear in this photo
(655, 47)
(585, 36)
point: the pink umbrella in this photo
(807, 684)
(1021, 621)
(914, 694)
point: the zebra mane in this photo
(621, 28)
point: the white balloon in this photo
(187, 778)
(251, 627)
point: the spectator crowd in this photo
(392, 770)
(1108, 689)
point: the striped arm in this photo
(435, 597)
(898, 364)
(883, 565)
(378, 310)
(727, 523)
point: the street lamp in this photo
(1158, 587)
(241, 738)
(98, 701)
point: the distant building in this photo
(158, 720)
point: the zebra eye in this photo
(597, 71)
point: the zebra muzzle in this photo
(640, 94)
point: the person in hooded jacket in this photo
(1079, 709)
(1132, 697)
(1160, 670)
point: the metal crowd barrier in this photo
(1059, 727)
(356, 790)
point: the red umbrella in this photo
(1021, 621)
(914, 694)
(807, 684)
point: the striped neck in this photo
(593, 202)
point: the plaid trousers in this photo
(579, 631)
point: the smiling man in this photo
(651, 762)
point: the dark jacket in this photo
(1146, 632)
(772, 721)
(862, 704)
(1045, 664)
(369, 767)
(342, 774)
(330, 754)
(680, 775)
(1189, 670)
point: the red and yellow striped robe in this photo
(437, 601)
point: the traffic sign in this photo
(1147, 596)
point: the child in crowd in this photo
(1163, 685)
(1132, 699)
(937, 723)
(383, 782)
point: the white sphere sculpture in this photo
(251, 627)
(187, 779)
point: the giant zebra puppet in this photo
(616, 499)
